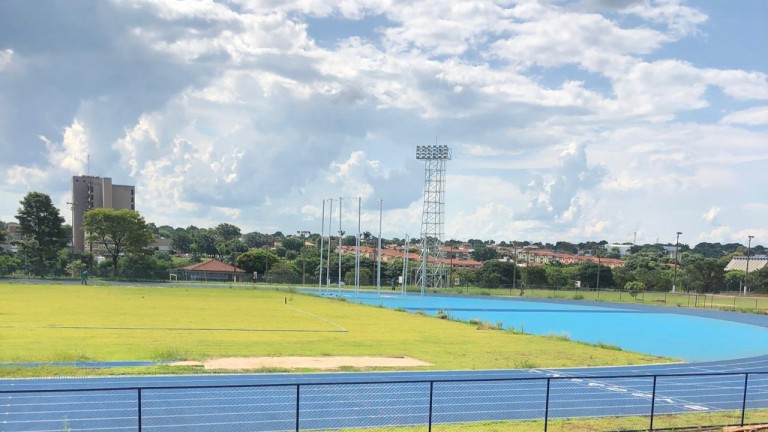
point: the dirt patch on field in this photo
(324, 363)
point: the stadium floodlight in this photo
(431, 272)
(433, 152)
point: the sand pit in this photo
(323, 363)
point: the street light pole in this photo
(749, 249)
(674, 272)
(322, 245)
(303, 261)
(514, 259)
(378, 255)
(597, 252)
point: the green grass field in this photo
(47, 323)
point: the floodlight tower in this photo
(431, 268)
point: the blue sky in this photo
(569, 120)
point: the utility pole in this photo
(378, 255)
(514, 260)
(674, 272)
(597, 252)
(322, 238)
(303, 261)
(749, 250)
(341, 235)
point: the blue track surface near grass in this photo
(333, 401)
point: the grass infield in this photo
(63, 323)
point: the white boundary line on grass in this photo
(320, 318)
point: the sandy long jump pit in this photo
(324, 363)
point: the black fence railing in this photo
(546, 403)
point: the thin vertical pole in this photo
(322, 238)
(378, 255)
(138, 404)
(653, 401)
(744, 399)
(546, 406)
(328, 265)
(404, 287)
(298, 398)
(424, 253)
(357, 252)
(431, 392)
(341, 234)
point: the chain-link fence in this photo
(550, 403)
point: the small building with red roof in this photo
(212, 271)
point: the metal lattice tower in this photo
(431, 263)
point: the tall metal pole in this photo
(597, 287)
(357, 250)
(378, 254)
(322, 243)
(514, 259)
(328, 265)
(749, 250)
(404, 288)
(341, 234)
(674, 272)
(424, 253)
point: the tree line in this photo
(123, 237)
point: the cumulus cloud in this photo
(711, 215)
(6, 56)
(752, 116)
(253, 112)
(560, 195)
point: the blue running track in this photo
(333, 401)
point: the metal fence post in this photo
(744, 400)
(298, 395)
(138, 405)
(653, 401)
(431, 392)
(546, 406)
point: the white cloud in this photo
(752, 116)
(711, 214)
(564, 117)
(6, 57)
(681, 20)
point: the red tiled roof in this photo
(213, 266)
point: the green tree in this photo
(2, 232)
(483, 253)
(181, 240)
(204, 243)
(42, 229)
(225, 232)
(495, 273)
(293, 243)
(588, 274)
(758, 281)
(560, 276)
(257, 260)
(634, 287)
(8, 265)
(706, 275)
(256, 240)
(118, 231)
(535, 276)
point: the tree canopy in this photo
(43, 232)
(118, 231)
